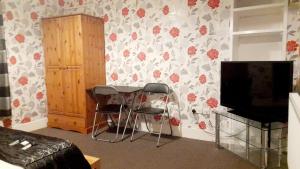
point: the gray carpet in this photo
(175, 153)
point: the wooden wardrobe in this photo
(74, 62)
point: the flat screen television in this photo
(258, 90)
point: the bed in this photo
(23, 150)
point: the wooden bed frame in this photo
(93, 161)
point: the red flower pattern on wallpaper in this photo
(203, 30)
(192, 50)
(191, 97)
(113, 37)
(166, 10)
(16, 103)
(213, 54)
(166, 99)
(140, 12)
(80, 2)
(135, 77)
(26, 120)
(126, 53)
(212, 102)
(105, 18)
(166, 56)
(34, 16)
(213, 3)
(9, 15)
(134, 36)
(23, 80)
(141, 56)
(156, 30)
(157, 117)
(142, 98)
(292, 46)
(61, 2)
(174, 121)
(202, 79)
(107, 57)
(156, 74)
(20, 38)
(114, 76)
(202, 125)
(174, 32)
(192, 2)
(125, 11)
(37, 56)
(39, 95)
(174, 78)
(42, 2)
(12, 60)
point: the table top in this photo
(121, 89)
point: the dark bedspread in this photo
(45, 153)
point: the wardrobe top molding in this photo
(60, 16)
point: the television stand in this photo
(268, 149)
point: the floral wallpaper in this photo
(293, 43)
(179, 42)
(25, 56)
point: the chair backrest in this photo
(156, 88)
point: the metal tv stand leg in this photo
(247, 139)
(264, 145)
(218, 130)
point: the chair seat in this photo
(111, 108)
(150, 110)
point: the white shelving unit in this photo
(258, 30)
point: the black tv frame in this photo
(264, 115)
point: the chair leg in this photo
(128, 116)
(93, 130)
(131, 139)
(118, 127)
(146, 122)
(161, 125)
(170, 124)
(97, 128)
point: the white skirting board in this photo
(180, 131)
(184, 131)
(31, 126)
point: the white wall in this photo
(294, 132)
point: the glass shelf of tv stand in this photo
(268, 149)
(252, 123)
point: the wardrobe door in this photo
(71, 38)
(54, 85)
(74, 93)
(52, 42)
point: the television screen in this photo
(258, 90)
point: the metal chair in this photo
(162, 90)
(108, 110)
